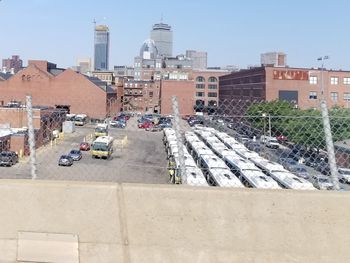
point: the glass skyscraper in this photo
(101, 50)
(162, 36)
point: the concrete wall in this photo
(154, 223)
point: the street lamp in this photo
(322, 87)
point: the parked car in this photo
(75, 154)
(65, 160)
(253, 146)
(344, 175)
(84, 146)
(145, 125)
(117, 124)
(8, 158)
(300, 170)
(323, 167)
(288, 163)
(322, 182)
(282, 138)
(270, 142)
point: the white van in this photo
(270, 142)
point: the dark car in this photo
(65, 160)
(288, 163)
(253, 146)
(75, 154)
(8, 158)
(117, 124)
(323, 167)
(84, 146)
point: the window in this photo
(313, 80)
(200, 79)
(150, 94)
(313, 95)
(212, 86)
(212, 79)
(212, 94)
(334, 96)
(346, 81)
(334, 80)
(200, 94)
(200, 86)
(346, 96)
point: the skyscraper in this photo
(162, 36)
(101, 56)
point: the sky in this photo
(232, 32)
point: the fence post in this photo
(177, 127)
(31, 137)
(328, 133)
(329, 144)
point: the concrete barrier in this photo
(155, 223)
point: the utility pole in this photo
(328, 132)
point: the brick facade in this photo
(201, 88)
(68, 89)
(301, 86)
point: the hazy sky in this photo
(232, 32)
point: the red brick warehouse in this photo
(59, 88)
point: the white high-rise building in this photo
(162, 36)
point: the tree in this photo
(304, 127)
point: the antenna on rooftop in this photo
(161, 18)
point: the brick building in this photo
(198, 93)
(14, 123)
(59, 88)
(301, 86)
(141, 96)
(13, 64)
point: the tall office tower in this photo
(162, 36)
(101, 56)
(199, 59)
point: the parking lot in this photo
(138, 157)
(274, 155)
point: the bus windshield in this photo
(100, 147)
(100, 129)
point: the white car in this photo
(344, 175)
(322, 182)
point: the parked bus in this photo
(102, 147)
(101, 130)
(80, 119)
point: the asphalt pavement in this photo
(138, 157)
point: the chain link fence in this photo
(231, 144)
(265, 145)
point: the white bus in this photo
(102, 147)
(285, 178)
(223, 177)
(250, 175)
(101, 129)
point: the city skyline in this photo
(229, 32)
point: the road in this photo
(141, 160)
